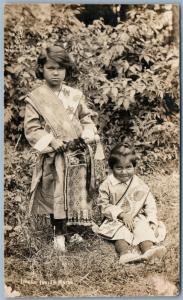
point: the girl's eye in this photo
(55, 69)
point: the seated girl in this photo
(129, 210)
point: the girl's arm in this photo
(32, 125)
(151, 209)
(108, 210)
(85, 117)
(36, 135)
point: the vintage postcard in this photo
(92, 150)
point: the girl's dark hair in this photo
(119, 151)
(57, 54)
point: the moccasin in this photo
(130, 258)
(59, 243)
(156, 251)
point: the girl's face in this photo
(124, 170)
(53, 73)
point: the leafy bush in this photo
(129, 74)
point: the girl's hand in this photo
(97, 138)
(128, 221)
(58, 146)
(89, 136)
(88, 140)
(92, 140)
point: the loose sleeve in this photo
(151, 209)
(34, 132)
(85, 117)
(107, 209)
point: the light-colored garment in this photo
(47, 188)
(134, 196)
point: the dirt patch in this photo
(163, 286)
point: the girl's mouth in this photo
(124, 177)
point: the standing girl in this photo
(58, 124)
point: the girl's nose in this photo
(56, 72)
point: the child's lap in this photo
(142, 232)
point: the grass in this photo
(91, 268)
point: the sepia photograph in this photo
(91, 150)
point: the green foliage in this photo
(129, 74)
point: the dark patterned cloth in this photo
(77, 205)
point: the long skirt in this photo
(60, 187)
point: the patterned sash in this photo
(52, 109)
